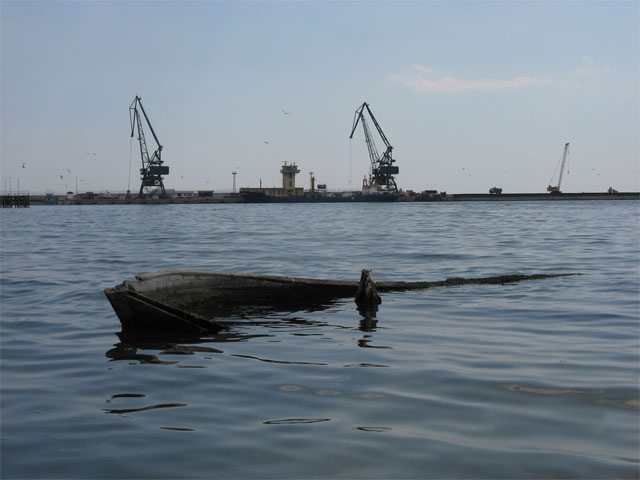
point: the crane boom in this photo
(382, 168)
(564, 159)
(553, 189)
(152, 168)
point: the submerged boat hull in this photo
(191, 300)
(194, 301)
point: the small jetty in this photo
(15, 201)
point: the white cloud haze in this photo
(419, 83)
(591, 68)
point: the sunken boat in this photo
(196, 301)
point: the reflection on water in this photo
(126, 395)
(368, 324)
(167, 343)
(367, 342)
(142, 409)
(552, 391)
(296, 421)
(171, 343)
(373, 429)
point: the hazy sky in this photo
(470, 94)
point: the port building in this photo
(289, 189)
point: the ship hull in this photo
(259, 197)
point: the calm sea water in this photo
(531, 380)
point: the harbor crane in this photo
(152, 168)
(382, 169)
(550, 188)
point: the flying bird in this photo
(68, 170)
(60, 177)
(23, 164)
(285, 112)
(266, 142)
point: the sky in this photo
(471, 95)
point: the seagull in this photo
(23, 164)
(266, 142)
(60, 177)
(285, 112)
(68, 170)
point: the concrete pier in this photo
(527, 197)
(14, 201)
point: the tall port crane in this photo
(152, 168)
(550, 188)
(382, 169)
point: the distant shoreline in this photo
(236, 198)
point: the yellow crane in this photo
(550, 188)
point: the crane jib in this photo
(382, 168)
(152, 168)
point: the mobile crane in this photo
(152, 168)
(382, 169)
(550, 188)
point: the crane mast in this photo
(381, 170)
(152, 168)
(564, 159)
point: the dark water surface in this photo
(531, 380)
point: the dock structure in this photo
(14, 201)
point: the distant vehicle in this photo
(495, 191)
